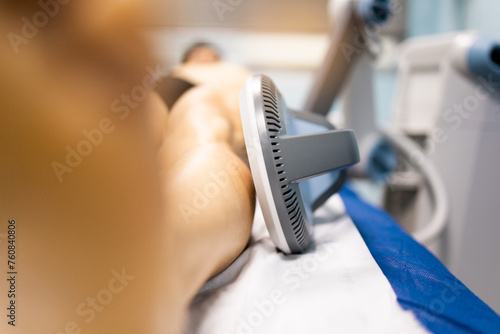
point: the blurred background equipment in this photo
(449, 101)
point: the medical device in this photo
(282, 159)
(282, 153)
(450, 98)
(346, 75)
(349, 41)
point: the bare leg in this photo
(211, 187)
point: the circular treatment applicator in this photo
(280, 159)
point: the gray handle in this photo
(348, 42)
(306, 156)
(343, 52)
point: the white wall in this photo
(484, 15)
(427, 17)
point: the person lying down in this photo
(123, 208)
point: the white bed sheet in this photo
(336, 287)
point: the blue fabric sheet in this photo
(422, 284)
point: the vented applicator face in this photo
(279, 160)
(289, 202)
(280, 200)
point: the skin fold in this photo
(121, 241)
